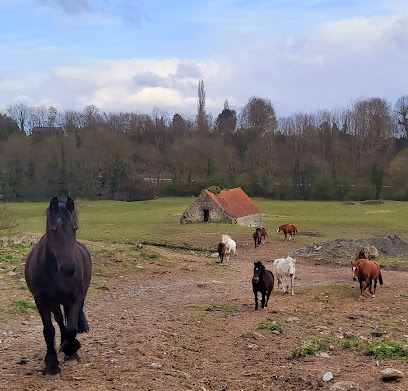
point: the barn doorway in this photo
(206, 215)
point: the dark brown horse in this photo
(288, 229)
(58, 273)
(262, 281)
(360, 255)
(262, 233)
(257, 238)
(366, 271)
(221, 249)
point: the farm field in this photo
(167, 318)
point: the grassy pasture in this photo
(158, 221)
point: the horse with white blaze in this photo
(285, 268)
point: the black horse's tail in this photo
(380, 278)
(83, 326)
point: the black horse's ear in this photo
(70, 204)
(54, 205)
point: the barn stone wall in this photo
(255, 220)
(194, 213)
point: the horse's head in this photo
(354, 268)
(279, 229)
(61, 234)
(258, 268)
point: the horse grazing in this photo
(288, 229)
(231, 245)
(285, 267)
(221, 249)
(257, 238)
(366, 271)
(58, 273)
(262, 281)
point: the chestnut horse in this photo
(366, 271)
(262, 281)
(288, 229)
(221, 249)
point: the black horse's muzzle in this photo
(67, 270)
(255, 280)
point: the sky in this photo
(135, 55)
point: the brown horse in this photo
(221, 249)
(366, 271)
(262, 233)
(288, 229)
(257, 238)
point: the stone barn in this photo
(228, 206)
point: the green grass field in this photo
(157, 221)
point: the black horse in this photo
(58, 272)
(262, 281)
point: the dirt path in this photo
(183, 328)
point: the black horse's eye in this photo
(53, 228)
(75, 229)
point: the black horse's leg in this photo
(267, 299)
(60, 320)
(263, 300)
(71, 344)
(51, 370)
(256, 299)
(375, 287)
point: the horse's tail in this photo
(83, 326)
(380, 278)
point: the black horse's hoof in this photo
(51, 374)
(71, 361)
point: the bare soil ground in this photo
(167, 320)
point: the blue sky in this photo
(303, 55)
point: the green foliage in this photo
(309, 348)
(214, 189)
(10, 259)
(271, 326)
(392, 350)
(23, 306)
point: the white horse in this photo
(285, 267)
(231, 245)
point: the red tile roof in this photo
(235, 202)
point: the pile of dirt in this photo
(389, 246)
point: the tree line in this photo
(355, 153)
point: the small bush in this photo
(387, 350)
(309, 348)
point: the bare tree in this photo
(19, 113)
